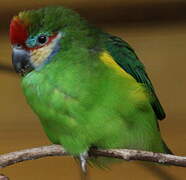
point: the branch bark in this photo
(125, 154)
(6, 68)
(3, 177)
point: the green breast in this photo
(65, 93)
(83, 102)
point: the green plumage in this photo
(125, 56)
(82, 101)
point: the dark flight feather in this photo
(126, 58)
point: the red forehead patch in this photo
(18, 32)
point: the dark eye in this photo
(42, 39)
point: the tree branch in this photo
(125, 154)
(3, 177)
(6, 68)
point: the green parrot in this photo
(88, 88)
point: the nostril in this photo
(18, 46)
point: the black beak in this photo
(21, 61)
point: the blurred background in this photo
(156, 29)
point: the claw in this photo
(83, 165)
(83, 161)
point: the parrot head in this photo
(37, 35)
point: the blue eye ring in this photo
(39, 40)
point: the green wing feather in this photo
(125, 57)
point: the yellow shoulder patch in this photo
(139, 94)
(107, 59)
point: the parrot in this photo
(88, 87)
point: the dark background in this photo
(157, 31)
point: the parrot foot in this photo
(83, 161)
(83, 165)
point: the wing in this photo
(126, 58)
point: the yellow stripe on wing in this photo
(107, 59)
(139, 94)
